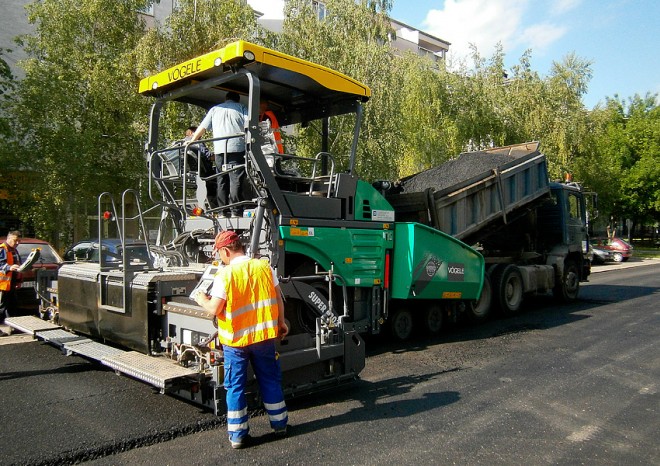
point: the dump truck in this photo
(531, 232)
(345, 264)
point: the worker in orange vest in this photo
(268, 115)
(247, 302)
(9, 263)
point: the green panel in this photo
(429, 264)
(371, 205)
(358, 255)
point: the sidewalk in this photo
(16, 337)
(632, 262)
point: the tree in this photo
(352, 38)
(74, 111)
(640, 183)
(7, 85)
(622, 165)
(193, 28)
(567, 131)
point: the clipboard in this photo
(206, 282)
(33, 257)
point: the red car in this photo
(49, 259)
(621, 251)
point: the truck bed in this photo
(464, 195)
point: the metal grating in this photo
(91, 349)
(153, 370)
(58, 336)
(29, 324)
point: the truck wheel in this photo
(401, 324)
(433, 317)
(568, 288)
(508, 288)
(479, 310)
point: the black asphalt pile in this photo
(467, 166)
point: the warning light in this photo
(107, 215)
(197, 211)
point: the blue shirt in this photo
(226, 119)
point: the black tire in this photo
(480, 310)
(433, 319)
(618, 257)
(508, 288)
(401, 324)
(568, 288)
(301, 317)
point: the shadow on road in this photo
(73, 368)
(536, 313)
(379, 400)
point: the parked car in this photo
(88, 251)
(600, 255)
(26, 282)
(621, 251)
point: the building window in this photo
(423, 52)
(149, 11)
(319, 9)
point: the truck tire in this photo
(568, 288)
(479, 310)
(508, 288)
(401, 324)
(432, 319)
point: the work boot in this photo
(239, 443)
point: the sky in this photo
(621, 38)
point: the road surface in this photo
(554, 385)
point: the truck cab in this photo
(563, 223)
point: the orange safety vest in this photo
(275, 126)
(5, 278)
(251, 310)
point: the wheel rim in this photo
(402, 324)
(433, 320)
(513, 292)
(618, 257)
(481, 308)
(572, 281)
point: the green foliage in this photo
(77, 122)
(7, 84)
(193, 29)
(624, 165)
(352, 39)
(73, 112)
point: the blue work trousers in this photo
(266, 368)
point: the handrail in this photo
(317, 159)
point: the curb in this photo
(633, 262)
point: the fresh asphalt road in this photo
(553, 385)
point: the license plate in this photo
(29, 285)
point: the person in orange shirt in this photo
(9, 264)
(268, 115)
(247, 302)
